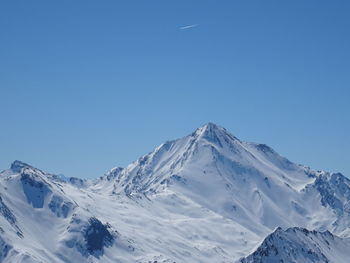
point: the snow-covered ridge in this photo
(206, 197)
(300, 245)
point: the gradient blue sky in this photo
(89, 85)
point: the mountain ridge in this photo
(204, 197)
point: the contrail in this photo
(189, 26)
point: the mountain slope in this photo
(206, 197)
(134, 229)
(301, 245)
(215, 169)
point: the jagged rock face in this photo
(335, 191)
(4, 249)
(77, 181)
(97, 236)
(60, 207)
(18, 166)
(299, 245)
(35, 190)
(10, 217)
(6, 213)
(112, 174)
(89, 237)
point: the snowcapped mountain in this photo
(301, 245)
(206, 197)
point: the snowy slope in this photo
(301, 245)
(216, 170)
(206, 197)
(135, 229)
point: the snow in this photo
(206, 197)
(300, 245)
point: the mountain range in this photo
(206, 197)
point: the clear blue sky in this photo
(89, 85)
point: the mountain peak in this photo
(208, 130)
(112, 173)
(210, 126)
(214, 133)
(210, 182)
(297, 244)
(17, 166)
